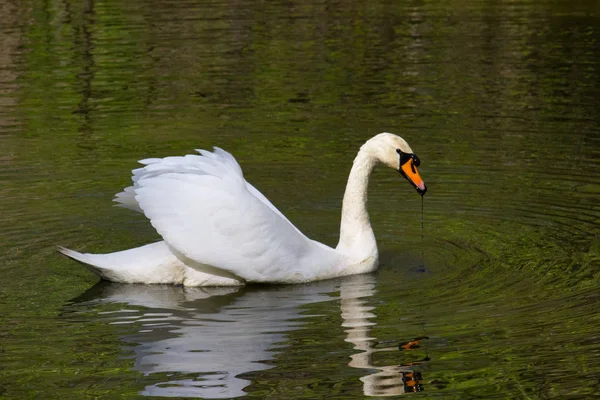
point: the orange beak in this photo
(408, 168)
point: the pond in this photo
(498, 296)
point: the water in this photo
(500, 100)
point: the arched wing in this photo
(126, 198)
(206, 211)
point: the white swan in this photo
(218, 230)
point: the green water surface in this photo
(499, 99)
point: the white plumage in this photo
(219, 230)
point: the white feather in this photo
(203, 208)
(220, 230)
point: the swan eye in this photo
(416, 160)
(405, 157)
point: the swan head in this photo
(393, 151)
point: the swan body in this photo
(218, 230)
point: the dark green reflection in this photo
(499, 99)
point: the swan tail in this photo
(152, 263)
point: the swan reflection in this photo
(203, 340)
(358, 318)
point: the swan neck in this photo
(356, 234)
